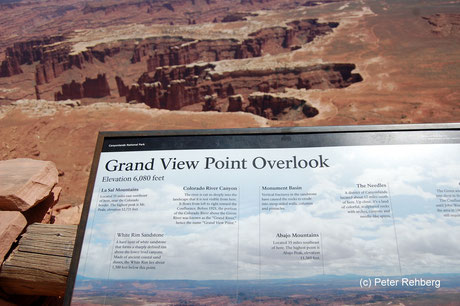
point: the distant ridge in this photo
(8, 1)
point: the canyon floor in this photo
(216, 64)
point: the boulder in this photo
(43, 211)
(11, 225)
(25, 182)
(67, 214)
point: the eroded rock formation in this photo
(52, 55)
(175, 87)
(26, 52)
(315, 3)
(271, 106)
(169, 51)
(172, 81)
(232, 17)
(58, 61)
(235, 103)
(90, 88)
(123, 90)
(210, 103)
(445, 25)
(9, 67)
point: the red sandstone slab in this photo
(68, 214)
(25, 182)
(43, 211)
(11, 225)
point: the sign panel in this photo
(325, 215)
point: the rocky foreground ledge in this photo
(29, 193)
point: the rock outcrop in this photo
(43, 212)
(315, 3)
(26, 52)
(445, 25)
(28, 192)
(25, 182)
(270, 106)
(169, 87)
(172, 51)
(190, 52)
(90, 88)
(160, 45)
(96, 88)
(123, 90)
(235, 103)
(12, 223)
(52, 56)
(9, 67)
(58, 61)
(67, 214)
(178, 86)
(210, 103)
(73, 90)
(232, 17)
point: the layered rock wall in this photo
(58, 61)
(9, 67)
(175, 87)
(26, 52)
(90, 88)
(53, 55)
(170, 51)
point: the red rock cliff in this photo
(178, 86)
(90, 88)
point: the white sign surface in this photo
(235, 225)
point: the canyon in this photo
(176, 87)
(70, 69)
(169, 83)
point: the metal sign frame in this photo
(260, 138)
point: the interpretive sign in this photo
(300, 215)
